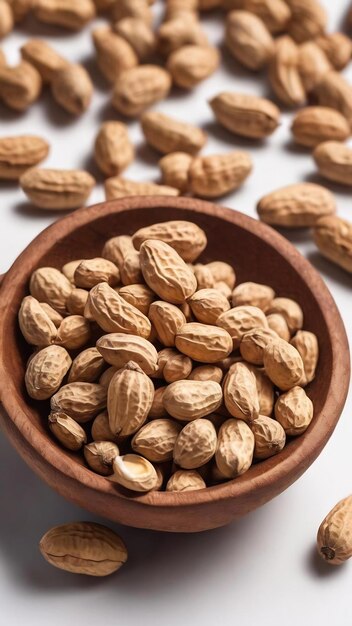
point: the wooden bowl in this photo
(258, 253)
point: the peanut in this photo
(57, 189)
(334, 534)
(248, 39)
(246, 115)
(84, 548)
(167, 134)
(17, 154)
(187, 400)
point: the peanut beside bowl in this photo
(258, 254)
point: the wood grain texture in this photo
(259, 254)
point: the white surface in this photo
(261, 570)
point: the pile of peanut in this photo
(164, 371)
(142, 63)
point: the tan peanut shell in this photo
(119, 348)
(20, 8)
(223, 288)
(187, 400)
(131, 8)
(269, 436)
(82, 401)
(313, 64)
(334, 535)
(188, 239)
(99, 455)
(73, 16)
(19, 153)
(84, 548)
(174, 170)
(43, 57)
(179, 32)
(101, 430)
(335, 92)
(307, 345)
(167, 320)
(140, 87)
(333, 237)
(195, 444)
(308, 19)
(72, 88)
(274, 13)
(300, 204)
(185, 480)
(253, 294)
(156, 440)
(240, 393)
(130, 269)
(203, 342)
(130, 396)
(105, 378)
(113, 150)
(20, 85)
(57, 189)
(278, 324)
(117, 249)
(134, 472)
(204, 276)
(87, 366)
(116, 315)
(165, 272)
(294, 411)
(157, 410)
(283, 364)
(90, 272)
(253, 344)
(53, 315)
(36, 326)
(174, 365)
(248, 39)
(139, 296)
(215, 175)
(207, 372)
(187, 8)
(313, 125)
(192, 64)
(76, 301)
(74, 332)
(246, 115)
(208, 304)
(241, 319)
(46, 371)
(283, 73)
(265, 390)
(222, 273)
(69, 268)
(334, 161)
(167, 134)
(66, 430)
(113, 53)
(7, 20)
(138, 34)
(235, 448)
(337, 47)
(49, 285)
(118, 187)
(290, 310)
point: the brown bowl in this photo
(258, 253)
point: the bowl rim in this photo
(266, 472)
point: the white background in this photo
(262, 569)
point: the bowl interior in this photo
(255, 251)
